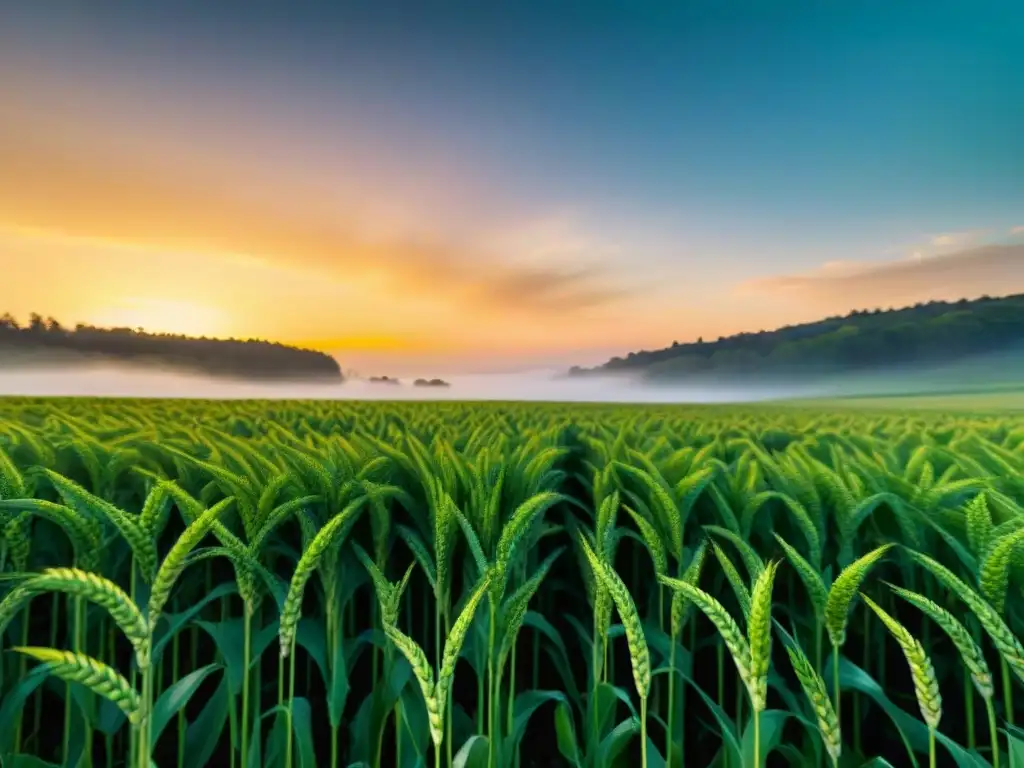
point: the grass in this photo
(993, 400)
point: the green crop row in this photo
(300, 584)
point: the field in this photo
(255, 583)
(991, 401)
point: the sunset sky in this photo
(501, 185)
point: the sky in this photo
(493, 186)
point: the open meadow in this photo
(257, 583)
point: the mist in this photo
(106, 379)
(111, 380)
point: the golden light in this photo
(163, 316)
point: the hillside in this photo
(47, 342)
(926, 336)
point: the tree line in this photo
(248, 358)
(935, 332)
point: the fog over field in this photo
(993, 372)
(104, 380)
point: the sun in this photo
(163, 316)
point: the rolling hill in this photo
(47, 342)
(955, 341)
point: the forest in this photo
(46, 339)
(933, 333)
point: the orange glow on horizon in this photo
(369, 343)
(156, 315)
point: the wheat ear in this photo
(926, 686)
(94, 675)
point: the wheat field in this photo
(299, 584)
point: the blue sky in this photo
(631, 175)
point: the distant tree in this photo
(680, 366)
(256, 359)
(927, 332)
(735, 360)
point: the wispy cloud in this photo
(549, 287)
(957, 239)
(940, 243)
(1017, 230)
(125, 198)
(991, 269)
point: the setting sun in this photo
(163, 316)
